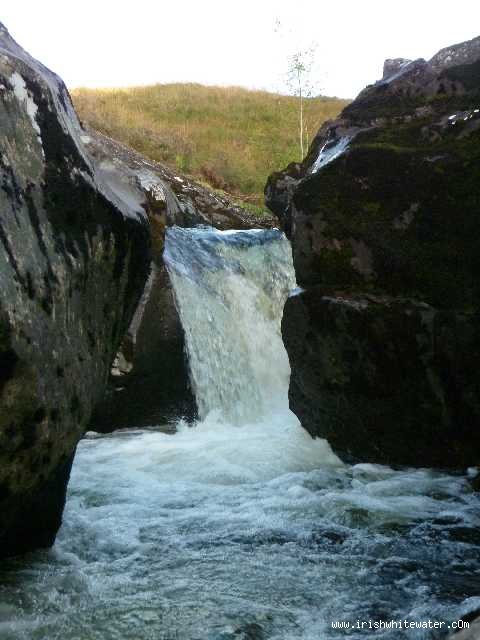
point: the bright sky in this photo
(124, 42)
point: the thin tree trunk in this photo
(301, 123)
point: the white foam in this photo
(214, 452)
(219, 526)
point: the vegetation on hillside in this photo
(230, 137)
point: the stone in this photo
(464, 53)
(393, 66)
(385, 380)
(74, 258)
(386, 204)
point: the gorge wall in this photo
(383, 215)
(74, 257)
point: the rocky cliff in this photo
(383, 215)
(74, 257)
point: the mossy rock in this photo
(384, 209)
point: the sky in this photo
(105, 43)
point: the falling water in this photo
(230, 290)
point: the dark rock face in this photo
(74, 257)
(149, 383)
(387, 203)
(363, 368)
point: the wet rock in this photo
(250, 631)
(149, 382)
(74, 257)
(385, 380)
(386, 205)
(475, 482)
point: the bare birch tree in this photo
(302, 85)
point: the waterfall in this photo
(230, 289)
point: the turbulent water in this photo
(242, 527)
(230, 290)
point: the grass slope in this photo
(230, 137)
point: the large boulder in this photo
(384, 379)
(74, 257)
(387, 203)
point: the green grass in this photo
(230, 137)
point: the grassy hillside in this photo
(230, 137)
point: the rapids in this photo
(241, 527)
